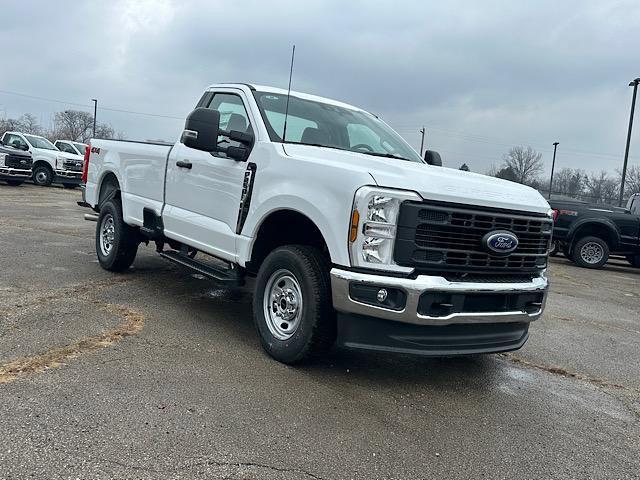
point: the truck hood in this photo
(432, 183)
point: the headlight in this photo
(374, 221)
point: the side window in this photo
(65, 147)
(233, 116)
(14, 141)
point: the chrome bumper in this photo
(15, 172)
(414, 288)
(69, 174)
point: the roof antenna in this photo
(286, 111)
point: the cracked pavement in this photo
(188, 393)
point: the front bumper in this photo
(69, 176)
(463, 324)
(414, 289)
(9, 173)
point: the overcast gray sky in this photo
(481, 76)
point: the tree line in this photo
(75, 125)
(524, 165)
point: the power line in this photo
(35, 97)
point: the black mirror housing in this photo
(433, 158)
(201, 129)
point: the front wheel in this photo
(590, 252)
(116, 242)
(43, 176)
(292, 307)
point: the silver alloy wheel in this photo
(41, 176)
(107, 234)
(592, 253)
(282, 304)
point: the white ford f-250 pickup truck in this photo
(49, 164)
(352, 236)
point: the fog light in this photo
(382, 295)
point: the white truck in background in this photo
(49, 164)
(69, 146)
(351, 236)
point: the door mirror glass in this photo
(433, 158)
(201, 129)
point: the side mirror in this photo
(433, 158)
(201, 129)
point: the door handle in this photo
(184, 164)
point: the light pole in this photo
(422, 130)
(633, 84)
(553, 166)
(95, 113)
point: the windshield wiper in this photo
(385, 155)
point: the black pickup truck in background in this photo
(588, 234)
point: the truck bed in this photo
(140, 169)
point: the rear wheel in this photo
(590, 252)
(42, 175)
(116, 242)
(292, 307)
(15, 183)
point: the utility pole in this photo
(422, 131)
(95, 114)
(553, 166)
(633, 84)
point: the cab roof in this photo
(282, 91)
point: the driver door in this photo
(203, 198)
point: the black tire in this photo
(121, 245)
(634, 260)
(15, 183)
(42, 175)
(590, 252)
(315, 321)
(70, 186)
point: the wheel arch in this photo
(281, 227)
(41, 163)
(596, 228)
(108, 177)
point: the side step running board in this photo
(226, 276)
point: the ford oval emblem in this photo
(501, 243)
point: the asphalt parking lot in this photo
(158, 374)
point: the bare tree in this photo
(73, 125)
(27, 123)
(632, 180)
(568, 181)
(525, 163)
(600, 188)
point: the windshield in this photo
(40, 142)
(80, 147)
(321, 124)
